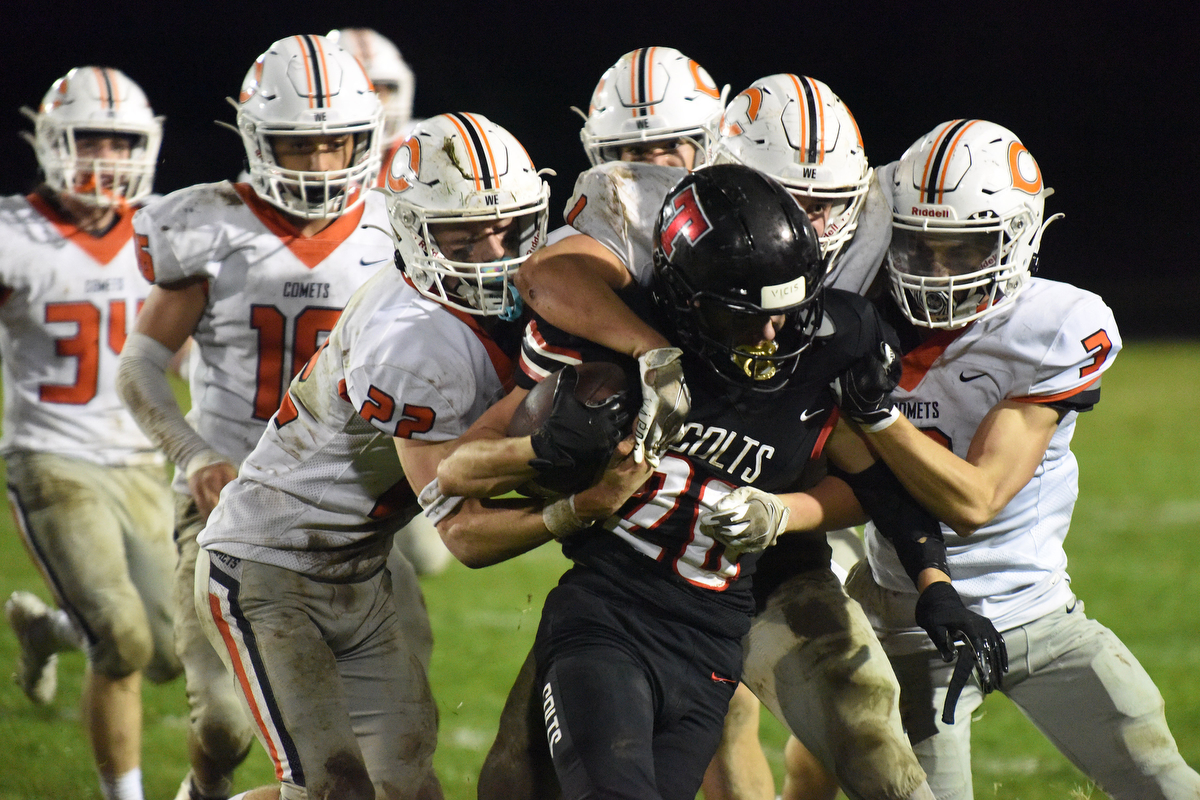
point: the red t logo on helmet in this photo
(689, 221)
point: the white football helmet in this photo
(393, 78)
(308, 86)
(800, 133)
(462, 167)
(651, 94)
(96, 100)
(967, 204)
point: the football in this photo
(598, 381)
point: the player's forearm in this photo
(580, 302)
(486, 532)
(142, 384)
(486, 467)
(828, 506)
(956, 492)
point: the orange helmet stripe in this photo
(307, 69)
(105, 85)
(487, 147)
(937, 154)
(958, 138)
(324, 72)
(649, 67)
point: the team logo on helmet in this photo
(688, 220)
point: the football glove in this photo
(746, 520)
(573, 446)
(864, 390)
(665, 404)
(940, 611)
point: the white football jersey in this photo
(617, 204)
(1052, 344)
(67, 301)
(323, 491)
(273, 296)
(863, 255)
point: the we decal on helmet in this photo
(688, 221)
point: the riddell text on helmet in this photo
(918, 211)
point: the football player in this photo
(997, 367)
(395, 85)
(640, 643)
(795, 129)
(256, 274)
(801, 133)
(654, 106)
(289, 581)
(87, 488)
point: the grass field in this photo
(1134, 561)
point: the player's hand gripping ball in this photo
(575, 418)
(665, 404)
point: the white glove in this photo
(746, 520)
(665, 404)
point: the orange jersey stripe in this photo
(916, 362)
(1054, 398)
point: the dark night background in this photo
(1103, 95)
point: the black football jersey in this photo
(733, 437)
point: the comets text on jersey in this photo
(307, 290)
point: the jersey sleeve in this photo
(1083, 347)
(430, 393)
(546, 349)
(616, 204)
(180, 235)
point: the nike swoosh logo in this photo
(366, 263)
(719, 679)
(806, 415)
(965, 378)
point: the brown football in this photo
(598, 380)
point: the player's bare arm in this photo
(572, 284)
(966, 495)
(482, 531)
(488, 462)
(167, 319)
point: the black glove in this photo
(940, 611)
(864, 390)
(573, 446)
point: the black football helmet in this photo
(732, 250)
